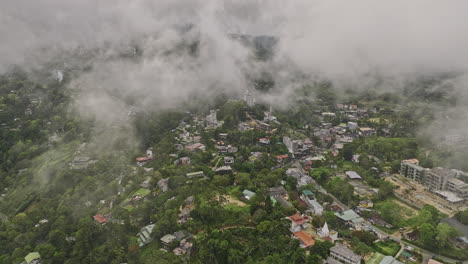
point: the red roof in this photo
(140, 159)
(307, 240)
(282, 156)
(297, 219)
(100, 218)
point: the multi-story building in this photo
(341, 254)
(411, 169)
(448, 183)
(436, 178)
(459, 187)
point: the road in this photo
(425, 253)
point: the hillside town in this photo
(325, 201)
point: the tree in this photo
(390, 211)
(444, 233)
(427, 234)
(365, 237)
(385, 190)
(321, 175)
(347, 152)
(462, 217)
(57, 238)
(321, 248)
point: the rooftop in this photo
(100, 218)
(32, 256)
(353, 175)
(307, 240)
(389, 260)
(168, 238)
(348, 215)
(342, 250)
(412, 161)
(248, 193)
(449, 196)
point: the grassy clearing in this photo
(375, 259)
(387, 248)
(141, 192)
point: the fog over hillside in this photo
(352, 44)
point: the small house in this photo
(167, 240)
(306, 240)
(33, 258)
(248, 194)
(228, 160)
(99, 218)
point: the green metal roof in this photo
(407, 254)
(273, 200)
(307, 192)
(32, 256)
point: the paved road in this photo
(425, 253)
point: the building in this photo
(142, 160)
(79, 163)
(410, 169)
(294, 172)
(212, 121)
(195, 174)
(437, 178)
(223, 170)
(308, 197)
(33, 258)
(306, 240)
(268, 116)
(279, 194)
(185, 161)
(248, 194)
(390, 260)
(352, 175)
(281, 158)
(350, 218)
(352, 126)
(99, 218)
(327, 234)
(163, 184)
(341, 254)
(167, 240)
(195, 147)
(228, 160)
(277, 191)
(249, 98)
(315, 207)
(298, 222)
(144, 237)
(459, 187)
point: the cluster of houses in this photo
(180, 240)
(188, 139)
